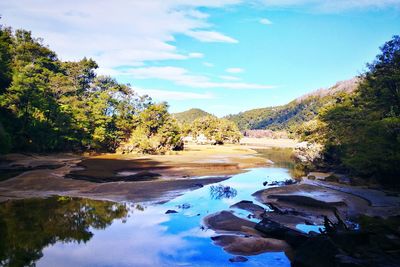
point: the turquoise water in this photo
(79, 232)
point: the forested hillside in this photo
(360, 132)
(50, 105)
(190, 115)
(289, 116)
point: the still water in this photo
(62, 231)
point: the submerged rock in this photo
(250, 245)
(170, 211)
(238, 259)
(184, 206)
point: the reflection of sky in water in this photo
(153, 238)
(308, 228)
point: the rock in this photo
(311, 177)
(238, 259)
(184, 206)
(265, 183)
(250, 245)
(255, 209)
(226, 221)
(308, 152)
(308, 201)
(170, 211)
(199, 185)
(276, 230)
(332, 178)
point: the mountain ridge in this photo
(190, 115)
(297, 111)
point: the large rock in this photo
(276, 230)
(249, 206)
(240, 245)
(225, 221)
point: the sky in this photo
(223, 56)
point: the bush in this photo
(157, 132)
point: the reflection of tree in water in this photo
(220, 191)
(27, 226)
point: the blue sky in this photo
(224, 56)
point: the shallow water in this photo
(78, 232)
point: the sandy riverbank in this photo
(124, 177)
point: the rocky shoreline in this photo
(350, 226)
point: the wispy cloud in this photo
(208, 64)
(119, 32)
(234, 70)
(167, 95)
(229, 78)
(181, 76)
(196, 55)
(211, 36)
(265, 21)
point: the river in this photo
(62, 231)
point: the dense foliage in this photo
(218, 131)
(157, 132)
(50, 105)
(361, 131)
(190, 115)
(28, 226)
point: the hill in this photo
(190, 115)
(284, 117)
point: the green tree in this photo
(218, 130)
(363, 130)
(156, 132)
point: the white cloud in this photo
(229, 78)
(208, 64)
(196, 55)
(166, 95)
(115, 33)
(265, 21)
(234, 70)
(211, 36)
(181, 76)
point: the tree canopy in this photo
(361, 131)
(50, 105)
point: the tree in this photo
(363, 130)
(156, 133)
(5, 58)
(50, 105)
(218, 130)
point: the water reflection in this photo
(27, 226)
(282, 158)
(220, 191)
(80, 232)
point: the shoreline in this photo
(175, 174)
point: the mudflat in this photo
(118, 177)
